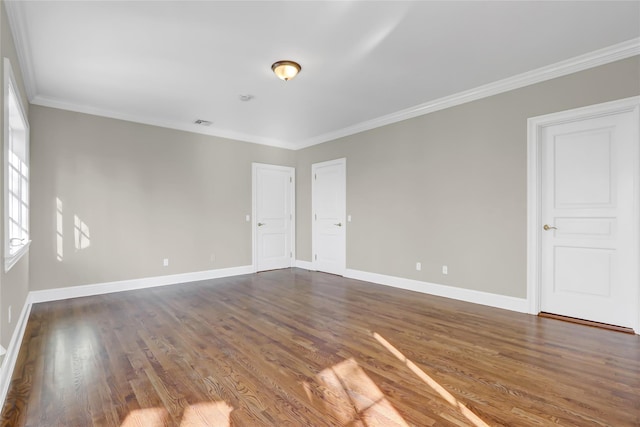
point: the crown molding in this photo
(596, 58)
(148, 120)
(18, 26)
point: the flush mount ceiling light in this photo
(286, 70)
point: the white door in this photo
(589, 220)
(329, 206)
(273, 212)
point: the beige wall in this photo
(449, 188)
(145, 193)
(445, 188)
(14, 285)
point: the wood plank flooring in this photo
(297, 348)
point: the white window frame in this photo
(19, 250)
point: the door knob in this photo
(547, 227)
(338, 224)
(260, 224)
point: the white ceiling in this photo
(363, 63)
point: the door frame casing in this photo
(535, 127)
(254, 210)
(314, 240)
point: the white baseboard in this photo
(129, 285)
(11, 357)
(477, 297)
(9, 362)
(307, 265)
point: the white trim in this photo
(596, 58)
(468, 295)
(254, 240)
(19, 25)
(10, 85)
(314, 229)
(34, 297)
(148, 120)
(9, 362)
(534, 216)
(535, 126)
(254, 217)
(133, 284)
(593, 59)
(294, 219)
(10, 358)
(11, 260)
(307, 265)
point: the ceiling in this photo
(364, 64)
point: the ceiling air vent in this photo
(203, 122)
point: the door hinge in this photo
(315, 176)
(291, 179)
(316, 257)
(290, 254)
(315, 216)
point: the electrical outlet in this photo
(9, 314)
(213, 257)
(165, 262)
(418, 266)
(348, 218)
(247, 218)
(445, 269)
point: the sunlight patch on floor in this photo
(204, 414)
(352, 396)
(466, 412)
(147, 417)
(207, 414)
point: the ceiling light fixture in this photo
(286, 70)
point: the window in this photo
(16, 172)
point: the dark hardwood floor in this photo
(296, 348)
